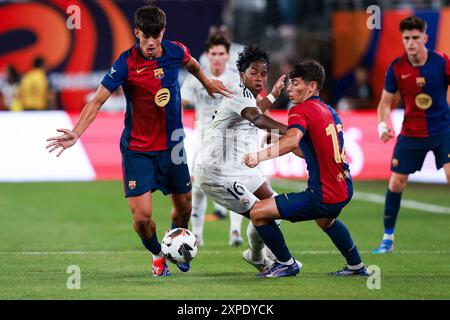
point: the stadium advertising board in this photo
(97, 157)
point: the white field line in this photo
(205, 252)
(376, 198)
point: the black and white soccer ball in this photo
(179, 245)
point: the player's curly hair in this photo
(251, 54)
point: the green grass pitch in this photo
(47, 227)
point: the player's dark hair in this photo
(150, 20)
(251, 54)
(309, 70)
(413, 23)
(217, 39)
(38, 62)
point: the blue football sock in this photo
(152, 244)
(271, 235)
(391, 209)
(174, 226)
(342, 239)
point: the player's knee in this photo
(143, 224)
(447, 171)
(325, 223)
(397, 183)
(186, 208)
(256, 214)
(140, 211)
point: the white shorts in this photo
(231, 189)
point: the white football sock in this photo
(157, 256)
(218, 207)
(255, 242)
(199, 204)
(387, 236)
(235, 222)
(288, 263)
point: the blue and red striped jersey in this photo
(323, 147)
(153, 114)
(424, 93)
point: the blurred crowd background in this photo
(47, 65)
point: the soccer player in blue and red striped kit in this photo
(314, 133)
(153, 156)
(421, 77)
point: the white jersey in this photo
(229, 136)
(205, 106)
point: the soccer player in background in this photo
(233, 132)
(193, 93)
(421, 77)
(151, 142)
(315, 133)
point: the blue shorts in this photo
(409, 153)
(151, 171)
(303, 206)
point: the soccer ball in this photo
(179, 245)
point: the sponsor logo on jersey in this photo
(162, 97)
(158, 73)
(423, 101)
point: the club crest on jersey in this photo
(158, 73)
(131, 184)
(423, 101)
(162, 97)
(420, 82)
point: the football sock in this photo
(273, 238)
(342, 239)
(254, 242)
(199, 204)
(153, 245)
(174, 226)
(218, 207)
(288, 263)
(235, 222)
(391, 209)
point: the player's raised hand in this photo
(217, 86)
(64, 141)
(278, 86)
(250, 160)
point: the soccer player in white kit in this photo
(232, 133)
(192, 92)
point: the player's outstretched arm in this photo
(384, 109)
(212, 86)
(87, 116)
(265, 103)
(262, 121)
(288, 143)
